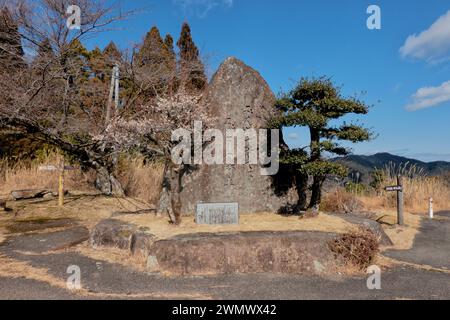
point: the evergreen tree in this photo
(112, 54)
(156, 60)
(172, 63)
(191, 67)
(171, 58)
(11, 51)
(153, 51)
(315, 104)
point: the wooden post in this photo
(400, 218)
(61, 183)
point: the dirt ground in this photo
(88, 209)
(111, 273)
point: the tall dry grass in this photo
(141, 179)
(25, 174)
(418, 187)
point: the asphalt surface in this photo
(104, 280)
(432, 244)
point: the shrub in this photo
(340, 201)
(358, 248)
(355, 188)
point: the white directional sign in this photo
(394, 188)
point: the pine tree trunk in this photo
(316, 188)
(316, 196)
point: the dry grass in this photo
(418, 188)
(18, 269)
(357, 248)
(402, 236)
(340, 201)
(141, 180)
(160, 227)
(26, 175)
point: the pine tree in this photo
(112, 54)
(153, 50)
(315, 104)
(172, 63)
(191, 67)
(156, 60)
(171, 58)
(11, 51)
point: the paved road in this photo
(106, 280)
(431, 246)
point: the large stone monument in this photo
(237, 97)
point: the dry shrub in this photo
(25, 174)
(140, 179)
(340, 201)
(357, 248)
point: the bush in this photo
(358, 248)
(355, 188)
(340, 201)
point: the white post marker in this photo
(430, 211)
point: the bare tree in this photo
(60, 98)
(46, 98)
(151, 132)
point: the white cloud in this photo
(201, 8)
(428, 97)
(431, 45)
(293, 136)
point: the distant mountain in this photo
(363, 165)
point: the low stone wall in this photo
(249, 252)
(300, 252)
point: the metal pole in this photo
(430, 211)
(110, 97)
(400, 218)
(116, 91)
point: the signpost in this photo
(399, 189)
(217, 213)
(61, 168)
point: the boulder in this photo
(372, 225)
(2, 205)
(118, 234)
(29, 194)
(237, 97)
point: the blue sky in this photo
(404, 68)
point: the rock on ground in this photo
(29, 194)
(237, 97)
(118, 234)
